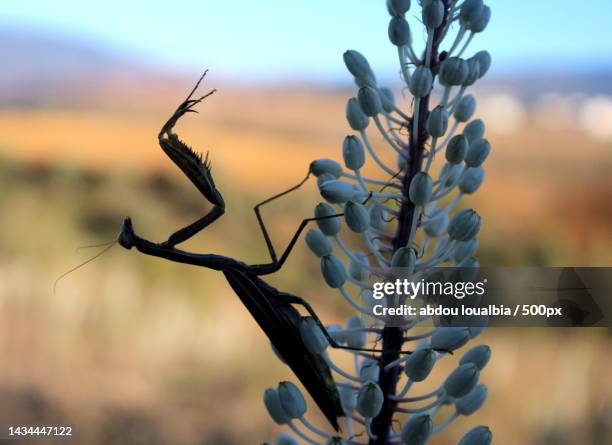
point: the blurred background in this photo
(133, 350)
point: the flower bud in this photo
(318, 243)
(456, 149)
(369, 101)
(356, 216)
(335, 440)
(369, 400)
(324, 177)
(453, 71)
(481, 435)
(437, 122)
(313, 337)
(432, 13)
(388, 99)
(452, 173)
(369, 370)
(461, 380)
(421, 81)
(478, 355)
(353, 153)
(474, 74)
(465, 108)
(471, 10)
(465, 249)
(471, 179)
(291, 399)
(399, 31)
(417, 429)
(472, 402)
(479, 151)
(329, 166)
(356, 269)
(484, 61)
(356, 338)
(482, 21)
(449, 338)
(404, 257)
(359, 67)
(274, 407)
(355, 115)
(437, 225)
(333, 271)
(398, 7)
(419, 364)
(336, 332)
(348, 398)
(286, 439)
(337, 192)
(329, 226)
(420, 189)
(378, 217)
(474, 130)
(464, 225)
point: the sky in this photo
(263, 39)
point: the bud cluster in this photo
(367, 204)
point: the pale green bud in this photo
(355, 116)
(461, 381)
(421, 81)
(370, 400)
(442, 245)
(437, 122)
(313, 337)
(456, 149)
(484, 61)
(273, 405)
(450, 338)
(465, 249)
(369, 101)
(353, 153)
(399, 31)
(337, 333)
(471, 179)
(329, 226)
(417, 429)
(356, 216)
(474, 130)
(452, 173)
(471, 402)
(286, 439)
(329, 166)
(359, 67)
(324, 177)
(465, 109)
(337, 192)
(478, 152)
(471, 10)
(333, 271)
(291, 399)
(398, 7)
(404, 257)
(433, 13)
(348, 398)
(369, 370)
(388, 99)
(437, 225)
(482, 21)
(481, 435)
(464, 225)
(419, 364)
(378, 217)
(319, 243)
(454, 71)
(356, 339)
(474, 74)
(420, 189)
(478, 355)
(356, 270)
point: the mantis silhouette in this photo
(272, 309)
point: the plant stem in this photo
(393, 337)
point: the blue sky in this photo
(251, 40)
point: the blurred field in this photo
(133, 350)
